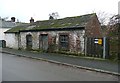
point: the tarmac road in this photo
(16, 68)
(104, 65)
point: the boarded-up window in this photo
(64, 43)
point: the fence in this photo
(97, 47)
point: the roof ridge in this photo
(66, 17)
(81, 20)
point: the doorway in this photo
(43, 41)
(29, 42)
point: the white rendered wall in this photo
(2, 35)
(11, 40)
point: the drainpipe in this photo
(85, 46)
(19, 41)
(104, 47)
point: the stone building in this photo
(67, 34)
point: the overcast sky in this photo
(40, 9)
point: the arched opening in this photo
(29, 42)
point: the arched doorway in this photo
(29, 42)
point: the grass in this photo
(56, 23)
(74, 55)
(78, 55)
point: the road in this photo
(16, 68)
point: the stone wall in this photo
(2, 35)
(76, 39)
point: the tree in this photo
(103, 17)
(114, 19)
(113, 24)
(114, 36)
(54, 15)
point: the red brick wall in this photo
(93, 28)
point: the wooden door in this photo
(43, 38)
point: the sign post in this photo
(98, 41)
(104, 47)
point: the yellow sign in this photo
(99, 41)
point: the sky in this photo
(23, 10)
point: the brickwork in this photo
(93, 28)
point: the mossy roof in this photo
(17, 28)
(80, 21)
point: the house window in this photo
(64, 43)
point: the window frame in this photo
(65, 38)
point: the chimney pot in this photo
(13, 19)
(31, 20)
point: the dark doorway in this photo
(29, 42)
(43, 41)
(2, 43)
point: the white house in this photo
(12, 38)
(6, 25)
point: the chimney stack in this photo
(12, 19)
(31, 20)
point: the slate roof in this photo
(7, 24)
(68, 22)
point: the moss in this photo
(16, 29)
(37, 50)
(56, 23)
(52, 48)
(69, 53)
(66, 22)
